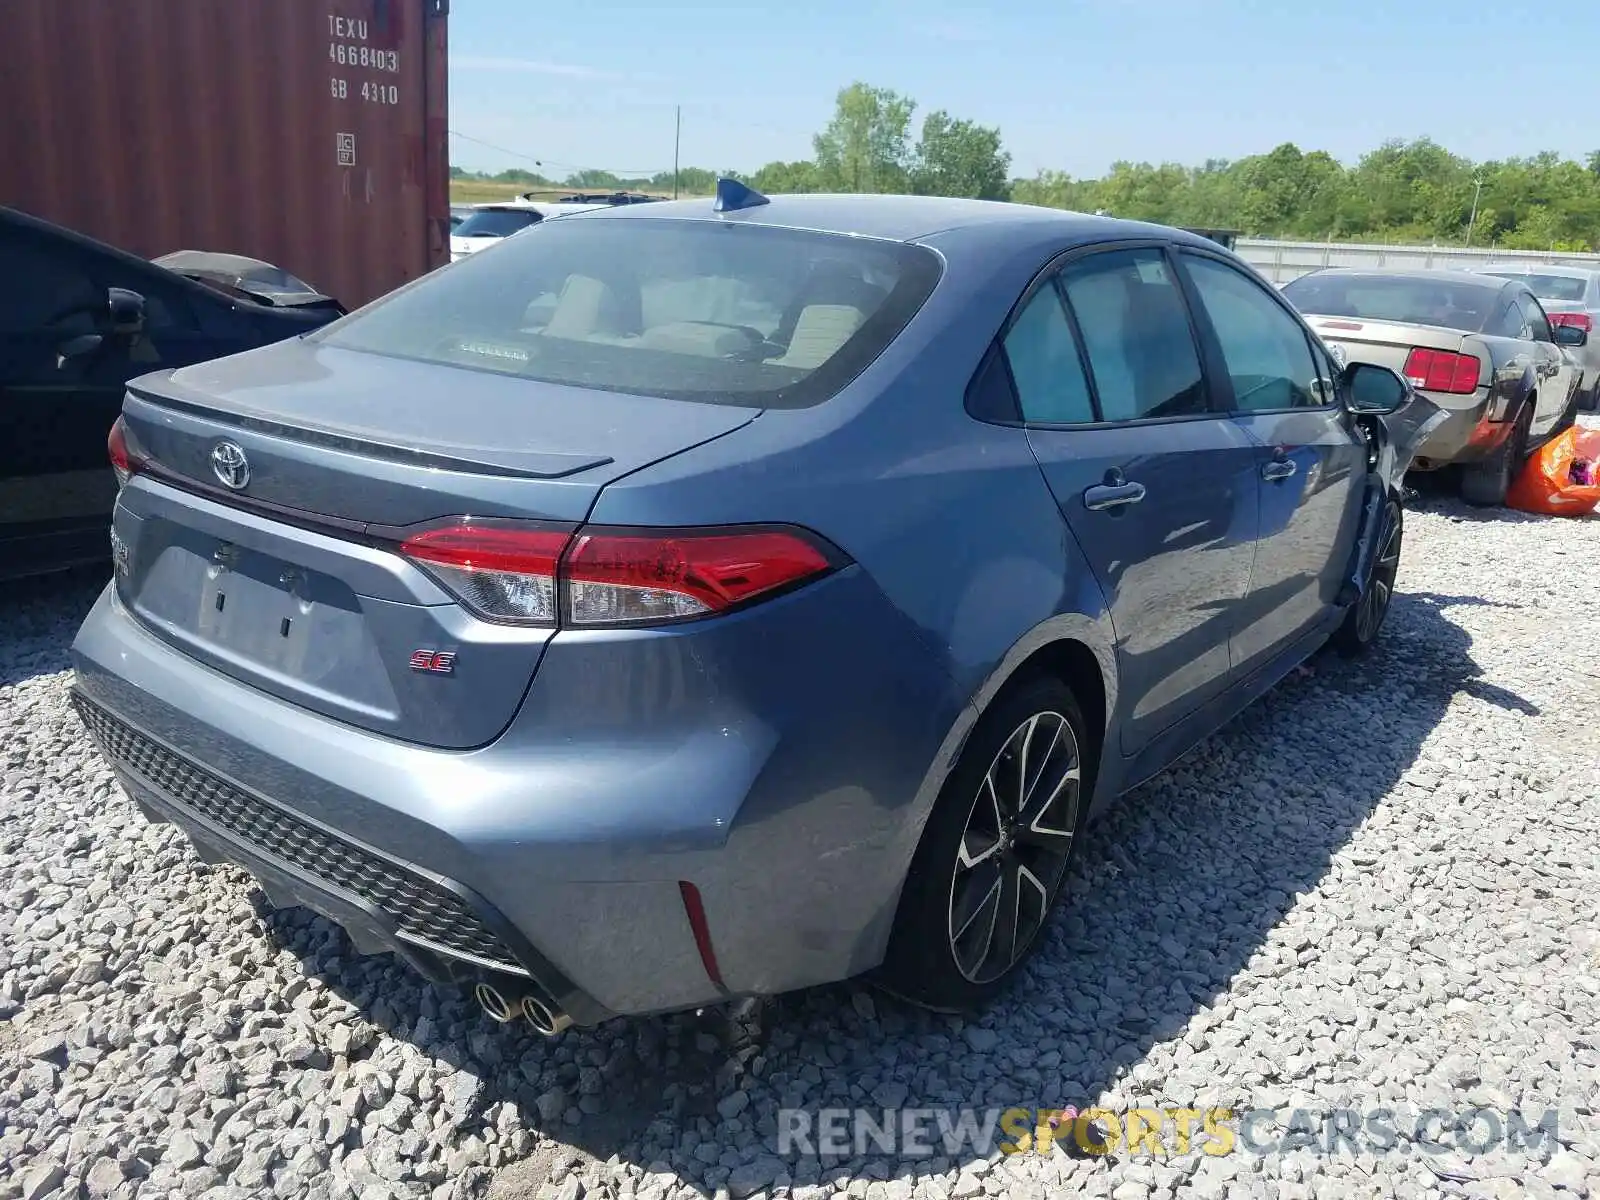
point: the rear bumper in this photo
(782, 789)
(1471, 430)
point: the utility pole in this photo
(1473, 220)
(677, 140)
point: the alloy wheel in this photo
(1380, 590)
(1015, 847)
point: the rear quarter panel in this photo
(949, 518)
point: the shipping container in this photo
(309, 133)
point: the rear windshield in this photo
(1549, 287)
(691, 310)
(496, 222)
(1465, 304)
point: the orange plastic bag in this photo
(1549, 483)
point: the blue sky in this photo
(1072, 84)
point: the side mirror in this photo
(1572, 336)
(125, 312)
(1376, 390)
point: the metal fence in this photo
(1283, 261)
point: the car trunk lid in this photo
(286, 577)
(1384, 343)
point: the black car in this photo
(78, 320)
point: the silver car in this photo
(775, 604)
(1482, 349)
(1571, 296)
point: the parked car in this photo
(794, 621)
(78, 319)
(249, 279)
(1570, 296)
(1480, 347)
(488, 223)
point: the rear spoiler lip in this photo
(508, 464)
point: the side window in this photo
(1325, 387)
(46, 291)
(1510, 322)
(1266, 351)
(1136, 334)
(1044, 361)
(1538, 323)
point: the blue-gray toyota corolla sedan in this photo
(700, 600)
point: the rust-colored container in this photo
(309, 133)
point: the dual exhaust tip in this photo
(512, 1002)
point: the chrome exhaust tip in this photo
(495, 1004)
(543, 1017)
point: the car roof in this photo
(544, 208)
(896, 218)
(1517, 268)
(1470, 278)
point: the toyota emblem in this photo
(229, 465)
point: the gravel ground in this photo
(1378, 887)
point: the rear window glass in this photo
(1549, 287)
(689, 310)
(1463, 305)
(496, 222)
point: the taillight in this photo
(1579, 320)
(598, 577)
(124, 461)
(643, 578)
(501, 571)
(1442, 371)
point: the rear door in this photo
(1157, 487)
(1555, 370)
(56, 408)
(1279, 386)
(55, 411)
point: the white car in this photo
(489, 223)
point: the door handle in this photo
(1278, 469)
(1112, 495)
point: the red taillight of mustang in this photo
(597, 577)
(1442, 371)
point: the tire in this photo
(948, 950)
(1364, 621)
(1486, 483)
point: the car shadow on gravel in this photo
(1174, 895)
(40, 615)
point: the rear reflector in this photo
(506, 571)
(694, 908)
(1579, 320)
(1442, 371)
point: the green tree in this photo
(781, 178)
(960, 158)
(867, 145)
